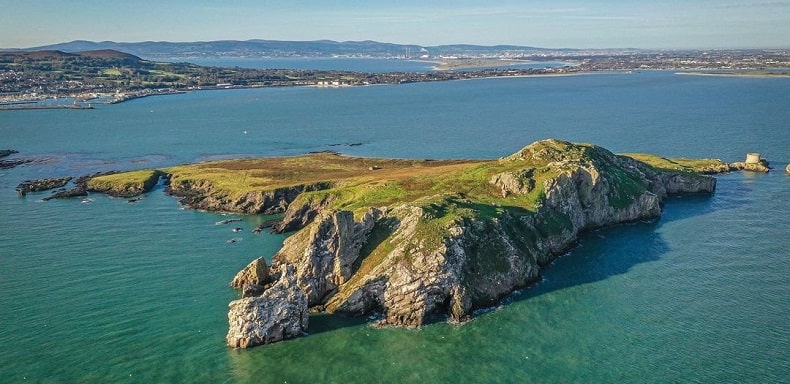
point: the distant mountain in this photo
(277, 48)
(104, 54)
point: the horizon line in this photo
(401, 44)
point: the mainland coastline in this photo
(755, 74)
(32, 80)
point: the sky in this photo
(668, 24)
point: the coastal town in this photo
(56, 79)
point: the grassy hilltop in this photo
(359, 183)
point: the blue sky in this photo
(551, 24)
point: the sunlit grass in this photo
(125, 183)
(462, 188)
(679, 164)
(112, 72)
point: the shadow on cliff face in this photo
(326, 322)
(614, 250)
(600, 254)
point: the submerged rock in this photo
(78, 191)
(12, 163)
(7, 152)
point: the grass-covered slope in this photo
(359, 183)
(126, 184)
(269, 185)
(707, 166)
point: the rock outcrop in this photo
(39, 185)
(279, 313)
(753, 163)
(254, 275)
(203, 195)
(519, 183)
(761, 166)
(301, 212)
(80, 187)
(145, 181)
(324, 253)
(447, 254)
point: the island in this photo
(407, 242)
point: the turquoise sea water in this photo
(105, 291)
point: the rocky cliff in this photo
(451, 242)
(127, 184)
(280, 312)
(205, 196)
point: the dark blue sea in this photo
(101, 291)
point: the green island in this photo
(411, 241)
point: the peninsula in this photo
(108, 76)
(407, 241)
(43, 79)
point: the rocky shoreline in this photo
(39, 185)
(86, 184)
(396, 262)
(761, 166)
(410, 241)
